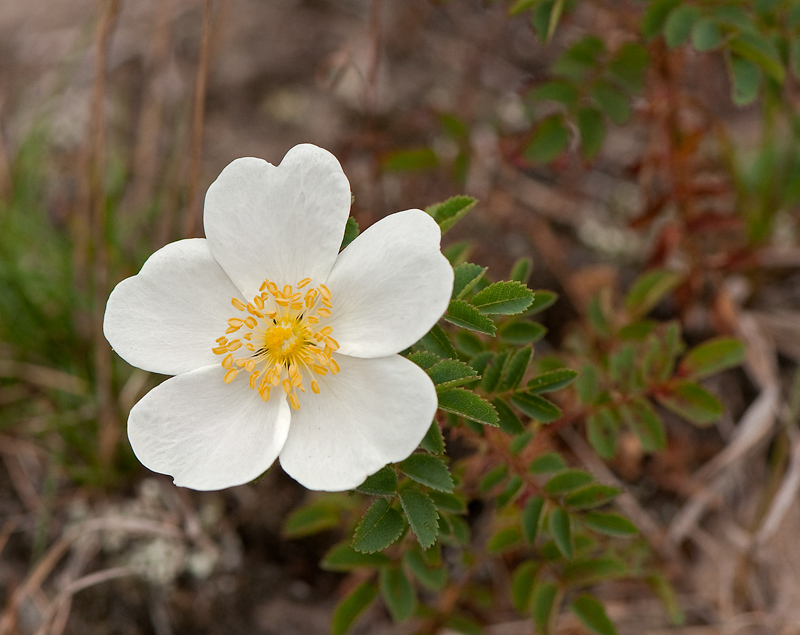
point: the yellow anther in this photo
(310, 297)
(222, 341)
(271, 315)
(220, 350)
(332, 343)
(250, 322)
(232, 329)
(235, 322)
(326, 331)
(237, 303)
(247, 336)
(323, 312)
(259, 302)
(230, 375)
(314, 387)
(274, 377)
(287, 291)
(333, 366)
(282, 301)
(294, 402)
(320, 370)
(303, 283)
(264, 385)
(295, 297)
(263, 285)
(326, 293)
(287, 386)
(253, 311)
(234, 344)
(228, 361)
(241, 362)
(312, 319)
(296, 306)
(272, 288)
(250, 366)
(327, 303)
(249, 347)
(264, 394)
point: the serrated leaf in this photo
(587, 384)
(602, 434)
(521, 270)
(520, 442)
(552, 381)
(468, 343)
(382, 483)
(655, 15)
(561, 530)
(521, 333)
(542, 299)
(465, 315)
(612, 101)
(530, 516)
(510, 491)
(544, 606)
(505, 539)
(449, 502)
(649, 289)
(509, 422)
(350, 232)
(437, 342)
(547, 464)
(493, 477)
(593, 615)
(593, 495)
(493, 371)
(422, 516)
(514, 369)
(424, 359)
(467, 404)
(449, 373)
(644, 421)
(506, 298)
(692, 402)
(522, 582)
(567, 481)
(349, 609)
(398, 593)
(679, 23)
(466, 276)
(343, 557)
(593, 570)
(536, 407)
(609, 524)
(449, 212)
(433, 578)
(311, 519)
(380, 526)
(712, 357)
(428, 470)
(592, 129)
(457, 252)
(433, 441)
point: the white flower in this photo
(281, 345)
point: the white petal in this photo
(166, 318)
(205, 433)
(373, 412)
(389, 286)
(284, 223)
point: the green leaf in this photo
(424, 359)
(630, 65)
(436, 342)
(449, 502)
(433, 441)
(655, 16)
(514, 369)
(706, 35)
(428, 470)
(536, 407)
(542, 299)
(544, 606)
(757, 48)
(522, 584)
(449, 212)
(593, 570)
(552, 381)
(642, 418)
(547, 464)
(449, 373)
(549, 140)
(593, 495)
(493, 371)
(567, 481)
(505, 539)
(493, 477)
(506, 298)
(468, 343)
(457, 252)
(593, 615)
(560, 90)
(522, 5)
(521, 333)
(466, 276)
(311, 519)
(350, 232)
(592, 129)
(465, 315)
(382, 483)
(433, 579)
(612, 101)
(580, 59)
(602, 433)
(679, 23)
(510, 492)
(663, 589)
(609, 524)
(522, 269)
(692, 402)
(467, 404)
(351, 607)
(410, 160)
(587, 384)
(422, 516)
(712, 357)
(746, 78)
(649, 289)
(343, 557)
(561, 531)
(530, 516)
(398, 593)
(520, 442)
(509, 422)
(379, 527)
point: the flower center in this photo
(283, 341)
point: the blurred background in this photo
(601, 141)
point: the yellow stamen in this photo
(230, 375)
(234, 344)
(220, 350)
(326, 293)
(259, 302)
(333, 366)
(237, 304)
(323, 312)
(303, 283)
(287, 386)
(228, 361)
(294, 402)
(314, 387)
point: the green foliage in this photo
(467, 404)
(422, 516)
(312, 518)
(449, 212)
(506, 298)
(350, 232)
(465, 315)
(428, 470)
(466, 276)
(351, 607)
(382, 483)
(379, 528)
(343, 557)
(691, 401)
(398, 593)
(591, 612)
(410, 160)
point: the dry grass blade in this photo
(43, 376)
